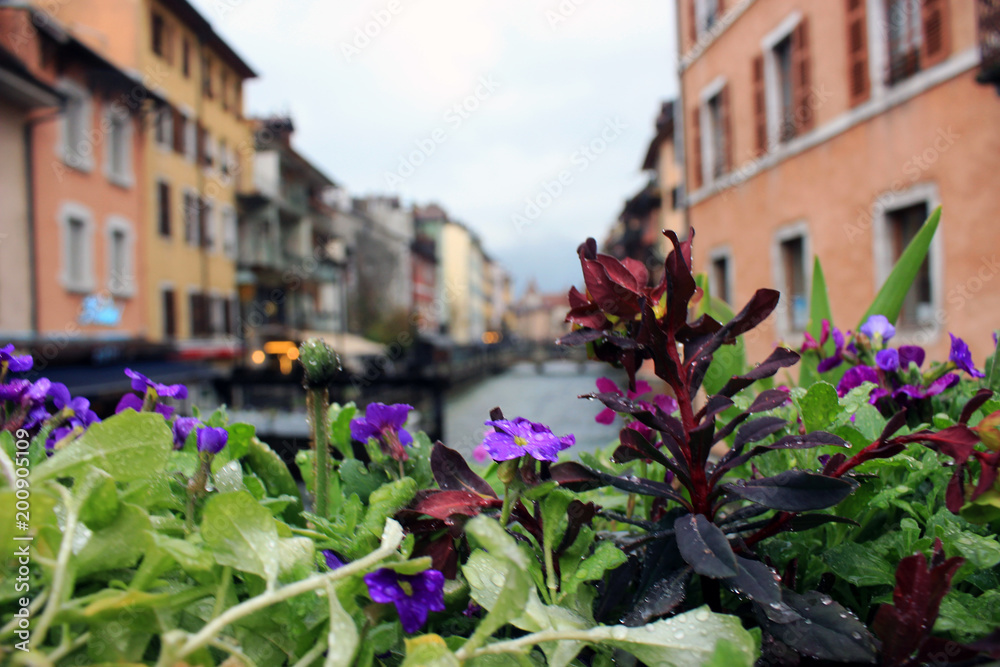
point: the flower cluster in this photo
(514, 438)
(385, 423)
(149, 392)
(896, 372)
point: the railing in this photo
(989, 41)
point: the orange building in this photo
(85, 220)
(833, 129)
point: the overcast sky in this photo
(477, 106)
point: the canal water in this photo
(548, 397)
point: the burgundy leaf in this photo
(782, 357)
(681, 285)
(638, 271)
(452, 473)
(636, 442)
(896, 422)
(817, 627)
(756, 580)
(575, 476)
(661, 599)
(713, 406)
(758, 429)
(794, 491)
(815, 520)
(581, 337)
(443, 554)
(768, 400)
(704, 547)
(444, 504)
(618, 274)
(974, 404)
(578, 515)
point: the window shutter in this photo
(936, 41)
(802, 77)
(697, 179)
(200, 144)
(720, 7)
(693, 22)
(859, 86)
(727, 130)
(203, 237)
(759, 106)
(169, 314)
(178, 131)
(164, 208)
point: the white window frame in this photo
(229, 235)
(722, 252)
(772, 91)
(210, 154)
(216, 313)
(126, 287)
(117, 116)
(76, 210)
(190, 136)
(164, 122)
(82, 160)
(701, 16)
(708, 147)
(887, 202)
(190, 210)
(787, 233)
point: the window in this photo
(206, 76)
(206, 223)
(199, 305)
(857, 51)
(224, 87)
(229, 237)
(706, 14)
(675, 198)
(77, 149)
(169, 312)
(121, 279)
(720, 278)
(783, 103)
(917, 36)
(159, 35)
(186, 58)
(190, 139)
(717, 136)
(165, 127)
(229, 310)
(77, 225)
(223, 157)
(217, 314)
(793, 283)
(163, 207)
(783, 67)
(712, 132)
(903, 225)
(191, 218)
(118, 166)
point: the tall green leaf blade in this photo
(889, 300)
(729, 360)
(819, 310)
(128, 446)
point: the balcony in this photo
(989, 42)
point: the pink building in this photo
(833, 129)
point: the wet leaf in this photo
(704, 547)
(241, 534)
(452, 473)
(817, 627)
(661, 599)
(755, 580)
(794, 491)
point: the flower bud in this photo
(319, 361)
(507, 471)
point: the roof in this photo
(664, 132)
(20, 86)
(189, 15)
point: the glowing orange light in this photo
(257, 357)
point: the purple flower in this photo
(182, 429)
(141, 384)
(666, 403)
(837, 357)
(14, 390)
(517, 437)
(414, 595)
(332, 560)
(608, 386)
(887, 359)
(962, 358)
(935, 388)
(910, 353)
(212, 439)
(480, 454)
(385, 424)
(136, 402)
(878, 328)
(14, 362)
(855, 377)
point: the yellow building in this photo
(199, 154)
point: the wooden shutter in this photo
(936, 42)
(178, 131)
(203, 232)
(169, 314)
(164, 203)
(859, 85)
(802, 78)
(697, 178)
(759, 106)
(200, 144)
(727, 129)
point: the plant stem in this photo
(196, 487)
(319, 400)
(593, 636)
(35, 605)
(177, 644)
(223, 591)
(61, 574)
(550, 571)
(67, 647)
(513, 492)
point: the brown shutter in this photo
(169, 314)
(178, 131)
(696, 148)
(802, 78)
(693, 23)
(859, 86)
(759, 106)
(164, 192)
(200, 144)
(203, 239)
(720, 7)
(727, 130)
(936, 42)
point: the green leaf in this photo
(344, 637)
(429, 650)
(100, 507)
(819, 310)
(860, 564)
(128, 446)
(687, 640)
(819, 407)
(968, 617)
(357, 478)
(120, 544)
(340, 427)
(889, 300)
(386, 501)
(190, 556)
(241, 534)
(605, 557)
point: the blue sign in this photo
(101, 311)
